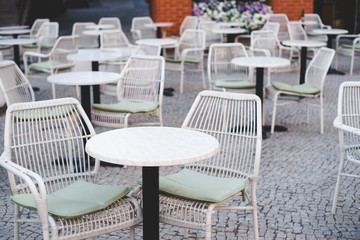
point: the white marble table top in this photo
(332, 31)
(100, 26)
(152, 146)
(14, 27)
(17, 41)
(231, 24)
(229, 30)
(303, 43)
(93, 55)
(264, 62)
(157, 41)
(83, 78)
(158, 24)
(14, 31)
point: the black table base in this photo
(150, 184)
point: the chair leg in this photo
(132, 233)
(307, 111)
(338, 182)
(321, 116)
(352, 64)
(274, 115)
(203, 75)
(255, 221)
(186, 232)
(182, 81)
(16, 222)
(53, 90)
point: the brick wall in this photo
(175, 11)
(292, 8)
(171, 11)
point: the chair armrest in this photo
(32, 179)
(188, 50)
(266, 52)
(36, 54)
(339, 125)
(137, 33)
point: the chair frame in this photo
(347, 123)
(274, 94)
(28, 177)
(353, 52)
(195, 214)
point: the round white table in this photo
(14, 27)
(230, 32)
(15, 32)
(304, 44)
(331, 34)
(151, 147)
(84, 80)
(15, 42)
(260, 63)
(158, 26)
(157, 41)
(94, 56)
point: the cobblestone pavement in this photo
(296, 180)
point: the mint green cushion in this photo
(127, 106)
(4, 47)
(234, 84)
(305, 88)
(29, 46)
(46, 65)
(197, 186)
(76, 199)
(357, 46)
(314, 34)
(33, 114)
(170, 60)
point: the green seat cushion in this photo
(305, 88)
(46, 65)
(170, 60)
(76, 199)
(4, 47)
(29, 46)
(127, 106)
(42, 114)
(197, 186)
(357, 46)
(234, 84)
(314, 34)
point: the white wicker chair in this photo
(14, 84)
(188, 55)
(139, 31)
(115, 21)
(348, 45)
(297, 32)
(224, 75)
(348, 124)
(271, 26)
(85, 41)
(313, 17)
(210, 36)
(283, 20)
(45, 157)
(55, 61)
(312, 88)
(45, 38)
(149, 50)
(139, 91)
(266, 43)
(189, 22)
(235, 120)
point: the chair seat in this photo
(305, 88)
(46, 65)
(127, 106)
(76, 199)
(202, 187)
(234, 84)
(314, 34)
(350, 46)
(171, 60)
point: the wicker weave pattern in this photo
(348, 124)
(139, 31)
(235, 120)
(142, 80)
(44, 152)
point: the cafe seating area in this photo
(231, 163)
